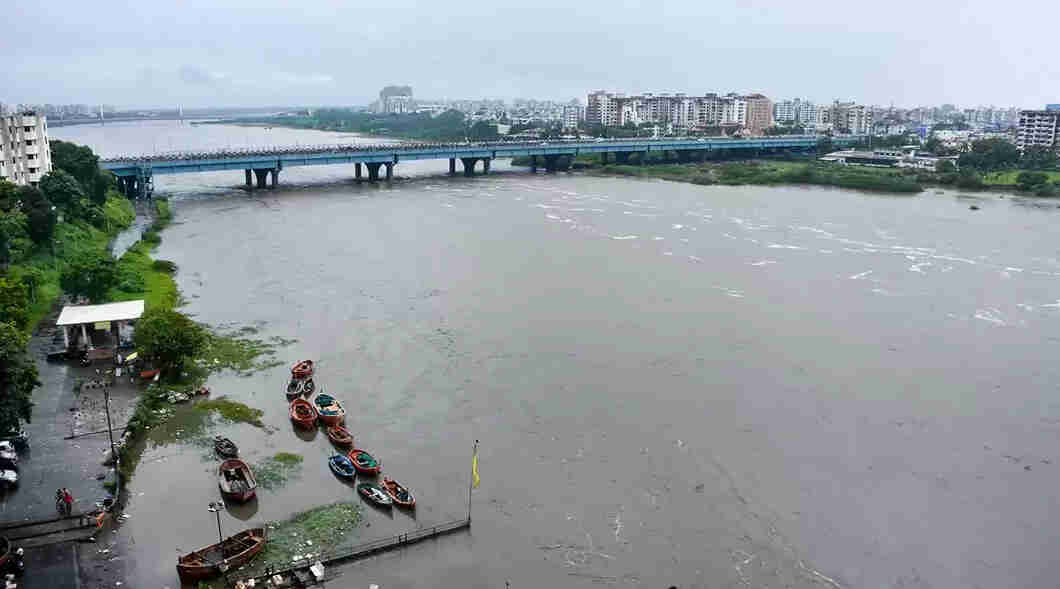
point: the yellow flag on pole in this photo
(474, 471)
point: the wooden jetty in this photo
(299, 572)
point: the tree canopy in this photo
(61, 188)
(990, 155)
(18, 377)
(168, 338)
(90, 274)
(40, 214)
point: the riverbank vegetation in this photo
(307, 535)
(449, 126)
(67, 220)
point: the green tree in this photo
(40, 213)
(1038, 158)
(168, 338)
(1030, 180)
(61, 189)
(945, 167)
(90, 275)
(991, 154)
(18, 377)
(8, 196)
(13, 297)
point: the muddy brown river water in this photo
(672, 384)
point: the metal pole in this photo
(471, 479)
(113, 451)
(216, 507)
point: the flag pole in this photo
(471, 480)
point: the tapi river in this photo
(700, 386)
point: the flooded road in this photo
(672, 384)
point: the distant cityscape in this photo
(24, 127)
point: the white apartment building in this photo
(572, 115)
(1039, 128)
(25, 155)
(603, 108)
(687, 113)
(786, 111)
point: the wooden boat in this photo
(215, 559)
(303, 414)
(236, 480)
(330, 410)
(374, 494)
(364, 462)
(401, 496)
(225, 447)
(303, 369)
(294, 388)
(341, 466)
(339, 435)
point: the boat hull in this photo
(303, 414)
(241, 493)
(198, 566)
(366, 470)
(339, 436)
(391, 488)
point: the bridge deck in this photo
(279, 158)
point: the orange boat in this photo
(303, 414)
(364, 462)
(303, 369)
(339, 435)
(215, 559)
(401, 496)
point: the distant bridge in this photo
(135, 174)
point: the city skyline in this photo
(908, 55)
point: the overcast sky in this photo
(321, 52)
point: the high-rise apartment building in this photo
(602, 109)
(25, 155)
(753, 112)
(572, 115)
(759, 115)
(848, 117)
(1038, 128)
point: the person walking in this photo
(68, 498)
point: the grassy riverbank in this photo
(72, 239)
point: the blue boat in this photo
(341, 466)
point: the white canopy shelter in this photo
(95, 314)
(79, 314)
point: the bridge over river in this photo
(135, 174)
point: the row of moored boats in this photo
(236, 480)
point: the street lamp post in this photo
(217, 507)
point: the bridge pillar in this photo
(389, 171)
(452, 166)
(250, 182)
(373, 170)
(469, 165)
(550, 163)
(622, 157)
(533, 164)
(357, 171)
(262, 175)
(486, 165)
(603, 158)
(683, 156)
(275, 176)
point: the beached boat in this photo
(225, 447)
(401, 496)
(364, 462)
(341, 466)
(215, 559)
(339, 435)
(236, 480)
(303, 369)
(330, 410)
(374, 494)
(303, 414)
